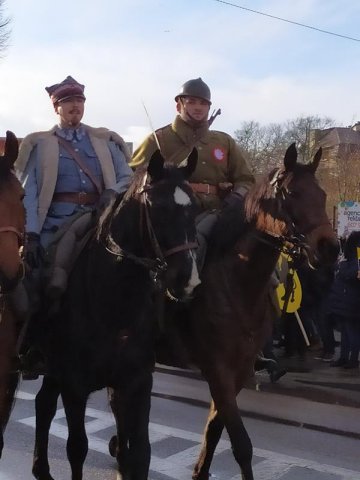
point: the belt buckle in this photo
(82, 198)
(208, 189)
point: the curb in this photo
(280, 408)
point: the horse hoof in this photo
(113, 446)
(41, 475)
(47, 476)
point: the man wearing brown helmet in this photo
(222, 175)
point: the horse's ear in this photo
(156, 166)
(290, 158)
(11, 150)
(316, 160)
(188, 166)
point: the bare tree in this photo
(262, 145)
(298, 130)
(265, 145)
(340, 176)
(4, 29)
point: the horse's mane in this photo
(262, 210)
(263, 206)
(104, 222)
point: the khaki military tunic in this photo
(219, 157)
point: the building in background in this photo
(339, 170)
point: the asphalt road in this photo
(281, 452)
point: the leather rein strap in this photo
(77, 158)
(154, 241)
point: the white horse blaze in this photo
(181, 198)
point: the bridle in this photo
(20, 235)
(156, 261)
(294, 243)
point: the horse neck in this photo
(261, 253)
(264, 241)
(107, 278)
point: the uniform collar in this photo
(188, 134)
(71, 134)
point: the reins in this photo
(294, 243)
(157, 266)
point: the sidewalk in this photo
(311, 395)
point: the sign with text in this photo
(348, 218)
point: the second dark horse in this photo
(227, 321)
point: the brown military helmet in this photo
(195, 88)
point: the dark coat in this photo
(344, 298)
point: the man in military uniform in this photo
(222, 175)
(67, 173)
(57, 184)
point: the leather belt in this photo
(205, 188)
(80, 198)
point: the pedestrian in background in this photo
(344, 303)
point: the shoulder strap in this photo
(77, 158)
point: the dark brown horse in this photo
(103, 332)
(227, 320)
(12, 221)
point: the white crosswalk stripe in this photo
(179, 465)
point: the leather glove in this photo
(231, 220)
(33, 250)
(232, 199)
(106, 198)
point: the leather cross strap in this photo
(77, 158)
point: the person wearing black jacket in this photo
(344, 303)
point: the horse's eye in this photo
(293, 194)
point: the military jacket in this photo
(219, 157)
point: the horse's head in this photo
(171, 209)
(154, 225)
(302, 207)
(12, 217)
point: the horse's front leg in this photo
(45, 409)
(77, 443)
(7, 393)
(212, 434)
(225, 402)
(224, 389)
(131, 408)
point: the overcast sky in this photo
(131, 51)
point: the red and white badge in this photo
(219, 154)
